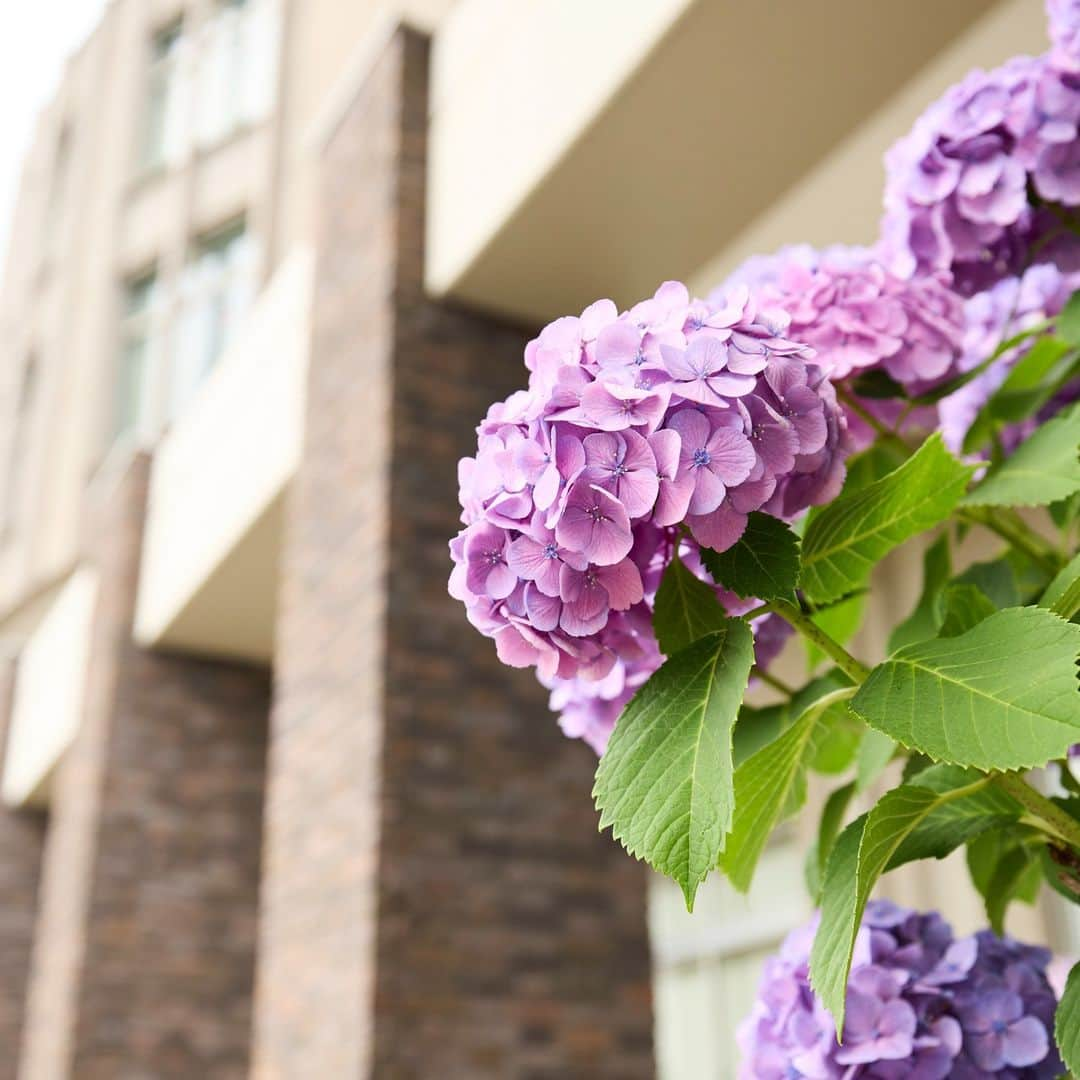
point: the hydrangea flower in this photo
(992, 317)
(920, 1004)
(677, 413)
(857, 315)
(981, 183)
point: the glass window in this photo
(140, 339)
(162, 134)
(216, 292)
(237, 62)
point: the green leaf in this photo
(962, 607)
(943, 390)
(770, 786)
(924, 621)
(664, 785)
(686, 609)
(756, 727)
(1003, 695)
(874, 755)
(955, 821)
(1067, 1019)
(865, 849)
(1065, 511)
(1042, 470)
(997, 579)
(832, 820)
(877, 385)
(850, 535)
(1009, 879)
(763, 562)
(1068, 322)
(1062, 595)
(1033, 380)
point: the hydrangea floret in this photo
(921, 1004)
(666, 424)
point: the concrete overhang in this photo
(50, 690)
(585, 150)
(208, 576)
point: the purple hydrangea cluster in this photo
(676, 412)
(921, 1004)
(981, 184)
(857, 315)
(1012, 305)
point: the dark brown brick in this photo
(144, 950)
(437, 899)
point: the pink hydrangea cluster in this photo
(921, 1004)
(676, 412)
(981, 184)
(1001, 312)
(1064, 19)
(857, 315)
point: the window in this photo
(15, 484)
(216, 292)
(140, 341)
(237, 60)
(58, 185)
(163, 130)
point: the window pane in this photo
(162, 122)
(139, 335)
(216, 293)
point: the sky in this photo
(35, 39)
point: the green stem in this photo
(1012, 529)
(1050, 816)
(773, 681)
(886, 432)
(810, 630)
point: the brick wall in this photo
(436, 898)
(21, 838)
(143, 955)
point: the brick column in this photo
(437, 900)
(144, 950)
(22, 835)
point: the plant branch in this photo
(1050, 817)
(854, 669)
(773, 681)
(886, 432)
(1012, 529)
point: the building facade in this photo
(269, 808)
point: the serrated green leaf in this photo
(865, 849)
(1003, 695)
(1067, 1018)
(962, 606)
(943, 390)
(664, 784)
(756, 727)
(771, 785)
(763, 562)
(1062, 595)
(1031, 382)
(1068, 322)
(874, 755)
(997, 579)
(1007, 881)
(924, 621)
(852, 534)
(832, 820)
(1042, 470)
(686, 609)
(957, 820)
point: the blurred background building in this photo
(271, 808)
